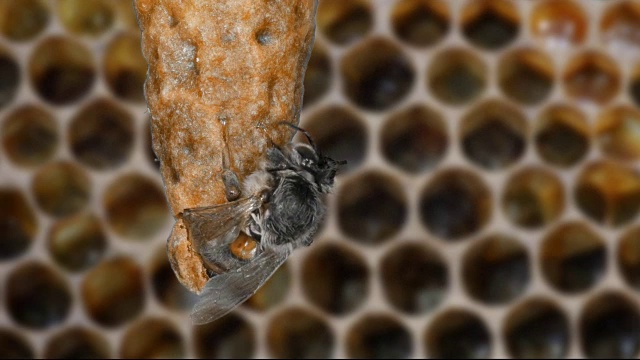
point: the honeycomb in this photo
(489, 207)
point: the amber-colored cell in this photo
(344, 22)
(609, 327)
(608, 192)
(18, 224)
(573, 257)
(273, 292)
(537, 329)
(378, 336)
(415, 139)
(421, 22)
(526, 75)
(22, 20)
(86, 17)
(559, 23)
(494, 134)
(125, 67)
(61, 188)
(592, 77)
(78, 242)
(113, 292)
(30, 135)
(628, 256)
(317, 78)
(618, 132)
(490, 24)
(620, 26)
(10, 77)
(376, 74)
(152, 338)
(77, 343)
(458, 334)
(455, 204)
(562, 135)
(230, 337)
(296, 333)
(533, 197)
(457, 76)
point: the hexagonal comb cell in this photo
(494, 134)
(18, 224)
(166, 287)
(136, 207)
(533, 197)
(317, 78)
(415, 278)
(608, 193)
(628, 257)
(420, 22)
(377, 74)
(228, 337)
(559, 24)
(620, 27)
(335, 279)
(77, 343)
(618, 134)
(62, 70)
(490, 24)
(125, 67)
(371, 207)
(113, 292)
(344, 21)
(30, 136)
(415, 139)
(9, 77)
(339, 134)
(152, 338)
(296, 333)
(592, 77)
(526, 75)
(455, 204)
(78, 242)
(573, 257)
(273, 292)
(562, 135)
(379, 336)
(610, 327)
(537, 328)
(61, 188)
(457, 76)
(14, 345)
(101, 135)
(22, 20)
(86, 17)
(37, 296)
(496, 269)
(458, 334)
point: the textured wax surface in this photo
(489, 207)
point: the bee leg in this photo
(231, 185)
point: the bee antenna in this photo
(303, 131)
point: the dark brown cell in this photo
(317, 78)
(296, 333)
(421, 23)
(77, 343)
(37, 296)
(559, 24)
(22, 20)
(152, 338)
(14, 345)
(496, 270)
(125, 67)
(335, 279)
(415, 278)
(458, 334)
(526, 76)
(573, 258)
(77, 242)
(490, 24)
(30, 136)
(10, 77)
(378, 336)
(376, 74)
(344, 22)
(537, 328)
(592, 77)
(455, 204)
(18, 224)
(562, 135)
(230, 337)
(166, 286)
(415, 139)
(113, 292)
(61, 188)
(457, 76)
(628, 257)
(86, 17)
(371, 208)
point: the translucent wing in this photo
(226, 291)
(212, 228)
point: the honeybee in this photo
(278, 207)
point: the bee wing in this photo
(212, 228)
(224, 292)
